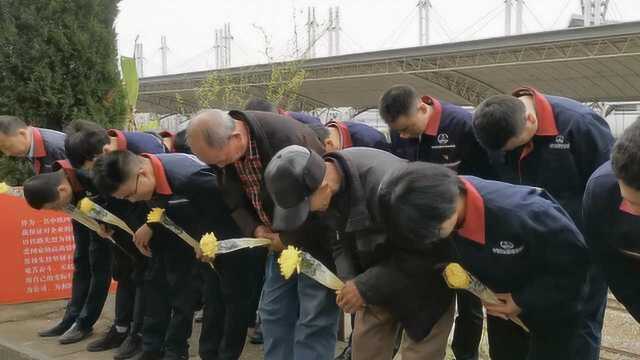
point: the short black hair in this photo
(258, 104)
(320, 130)
(418, 198)
(497, 120)
(42, 189)
(180, 144)
(112, 170)
(625, 156)
(84, 141)
(397, 101)
(9, 124)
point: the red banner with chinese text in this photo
(36, 253)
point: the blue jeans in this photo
(299, 317)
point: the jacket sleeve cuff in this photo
(378, 284)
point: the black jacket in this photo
(392, 273)
(191, 198)
(272, 132)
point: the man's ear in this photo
(328, 144)
(23, 134)
(422, 107)
(531, 118)
(236, 133)
(64, 190)
(106, 149)
(530, 124)
(145, 171)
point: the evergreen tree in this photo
(58, 62)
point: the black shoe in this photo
(59, 329)
(74, 334)
(151, 355)
(130, 348)
(111, 340)
(256, 337)
(345, 354)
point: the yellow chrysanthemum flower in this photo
(155, 215)
(289, 261)
(456, 276)
(4, 188)
(209, 244)
(86, 205)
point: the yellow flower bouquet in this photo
(458, 278)
(11, 190)
(158, 215)
(93, 210)
(210, 245)
(292, 260)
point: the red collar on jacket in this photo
(343, 130)
(162, 184)
(39, 150)
(434, 120)
(121, 140)
(544, 112)
(70, 173)
(473, 227)
(625, 206)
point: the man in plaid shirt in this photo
(299, 316)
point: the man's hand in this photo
(142, 238)
(263, 232)
(276, 243)
(507, 309)
(349, 298)
(202, 257)
(104, 232)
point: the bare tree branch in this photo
(267, 41)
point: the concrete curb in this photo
(10, 351)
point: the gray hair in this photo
(216, 127)
(9, 125)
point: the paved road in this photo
(20, 323)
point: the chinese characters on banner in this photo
(36, 253)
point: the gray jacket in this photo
(388, 271)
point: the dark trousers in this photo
(587, 342)
(91, 277)
(170, 299)
(128, 271)
(128, 266)
(256, 261)
(227, 308)
(546, 341)
(228, 305)
(468, 327)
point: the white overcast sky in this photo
(366, 25)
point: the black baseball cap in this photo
(292, 175)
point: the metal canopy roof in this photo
(600, 63)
